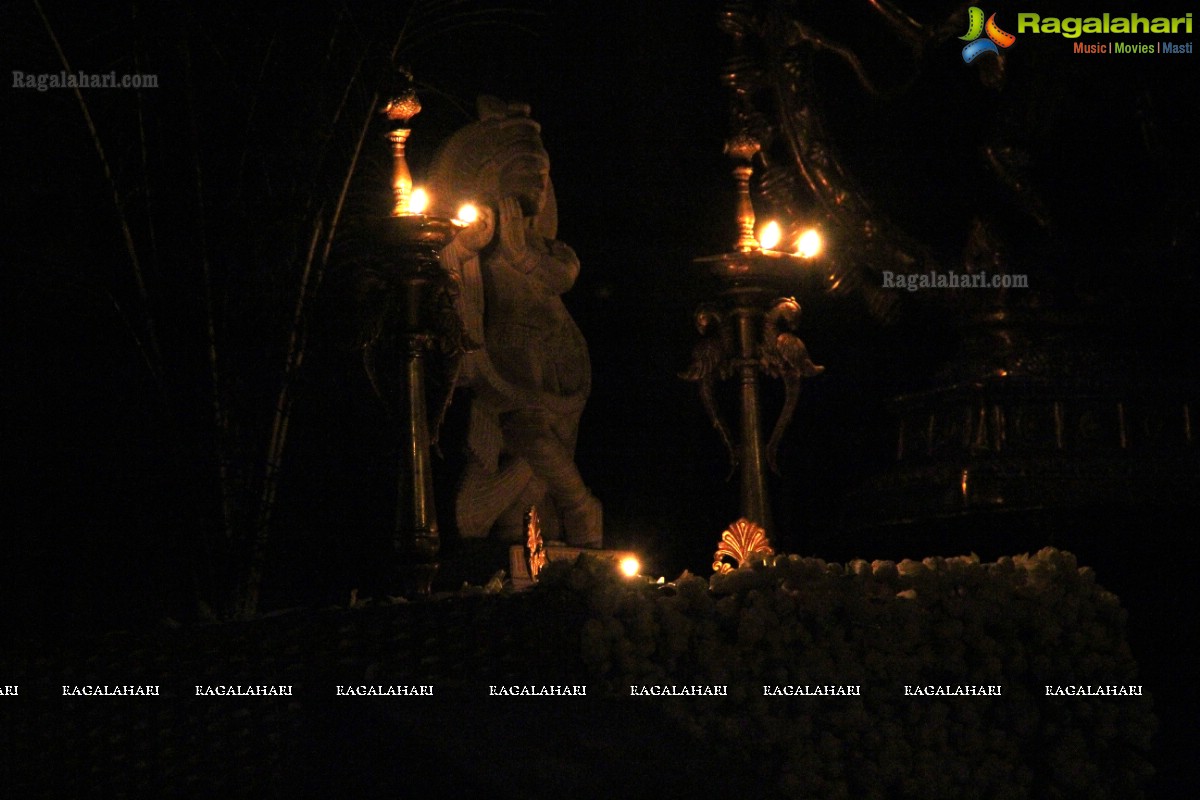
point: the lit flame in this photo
(770, 236)
(809, 244)
(630, 567)
(418, 201)
(467, 214)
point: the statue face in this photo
(527, 177)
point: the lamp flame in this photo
(771, 233)
(809, 244)
(467, 213)
(418, 201)
(629, 566)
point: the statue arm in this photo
(548, 261)
(557, 268)
(553, 265)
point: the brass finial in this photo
(403, 107)
(742, 147)
(399, 109)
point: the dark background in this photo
(111, 485)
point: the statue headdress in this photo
(468, 165)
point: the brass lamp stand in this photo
(411, 241)
(743, 335)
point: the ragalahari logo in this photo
(976, 27)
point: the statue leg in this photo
(484, 495)
(510, 525)
(528, 434)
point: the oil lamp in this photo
(747, 331)
(408, 242)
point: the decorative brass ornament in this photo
(712, 360)
(400, 109)
(784, 355)
(740, 540)
(403, 107)
(535, 548)
(742, 148)
(750, 335)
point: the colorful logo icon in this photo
(976, 27)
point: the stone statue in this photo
(531, 375)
